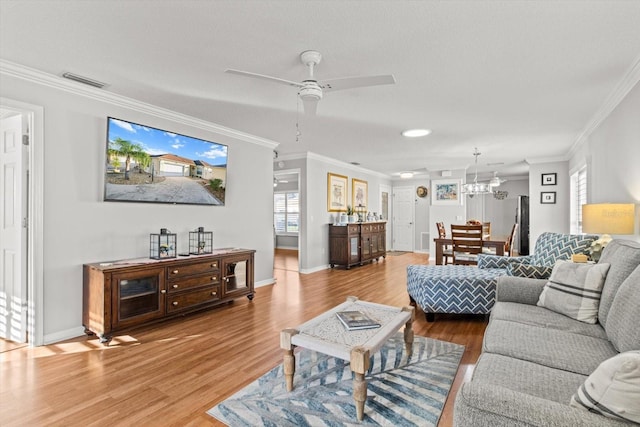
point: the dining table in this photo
(492, 242)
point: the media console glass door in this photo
(235, 275)
(140, 296)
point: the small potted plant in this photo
(595, 250)
(351, 214)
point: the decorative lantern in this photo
(162, 245)
(200, 242)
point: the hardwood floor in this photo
(171, 373)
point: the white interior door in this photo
(385, 210)
(13, 283)
(403, 218)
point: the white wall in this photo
(315, 218)
(80, 228)
(612, 155)
(548, 217)
(447, 214)
(502, 213)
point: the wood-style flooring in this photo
(171, 373)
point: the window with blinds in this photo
(578, 192)
(286, 215)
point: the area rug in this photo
(396, 253)
(400, 391)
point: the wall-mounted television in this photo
(145, 164)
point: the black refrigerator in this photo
(522, 219)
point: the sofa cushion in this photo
(623, 322)
(576, 353)
(530, 271)
(574, 290)
(613, 389)
(541, 317)
(527, 377)
(624, 257)
(551, 247)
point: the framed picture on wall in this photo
(548, 197)
(359, 193)
(549, 178)
(336, 192)
(446, 192)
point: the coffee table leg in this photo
(289, 362)
(408, 331)
(360, 360)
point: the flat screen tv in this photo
(145, 164)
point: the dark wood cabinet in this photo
(122, 294)
(355, 244)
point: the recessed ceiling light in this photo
(406, 175)
(416, 133)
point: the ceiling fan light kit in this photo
(311, 90)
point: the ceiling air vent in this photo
(84, 80)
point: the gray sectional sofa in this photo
(533, 359)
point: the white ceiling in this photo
(517, 79)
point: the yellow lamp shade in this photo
(608, 218)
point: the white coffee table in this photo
(326, 334)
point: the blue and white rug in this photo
(400, 392)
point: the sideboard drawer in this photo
(193, 282)
(190, 299)
(180, 271)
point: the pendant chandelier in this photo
(476, 187)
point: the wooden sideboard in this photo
(357, 243)
(122, 294)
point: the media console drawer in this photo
(183, 270)
(190, 299)
(123, 294)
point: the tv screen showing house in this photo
(145, 164)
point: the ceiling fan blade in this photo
(310, 106)
(263, 77)
(353, 82)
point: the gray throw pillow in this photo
(574, 289)
(613, 389)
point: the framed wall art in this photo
(446, 192)
(336, 192)
(359, 193)
(549, 178)
(548, 197)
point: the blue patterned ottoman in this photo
(453, 288)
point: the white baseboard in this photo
(265, 282)
(291, 248)
(63, 335)
(314, 269)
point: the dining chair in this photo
(447, 251)
(486, 230)
(508, 247)
(467, 243)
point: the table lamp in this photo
(606, 219)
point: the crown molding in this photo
(335, 162)
(628, 82)
(331, 161)
(539, 160)
(56, 82)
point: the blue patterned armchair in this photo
(549, 248)
(465, 289)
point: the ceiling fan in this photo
(496, 181)
(311, 90)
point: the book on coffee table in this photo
(354, 320)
